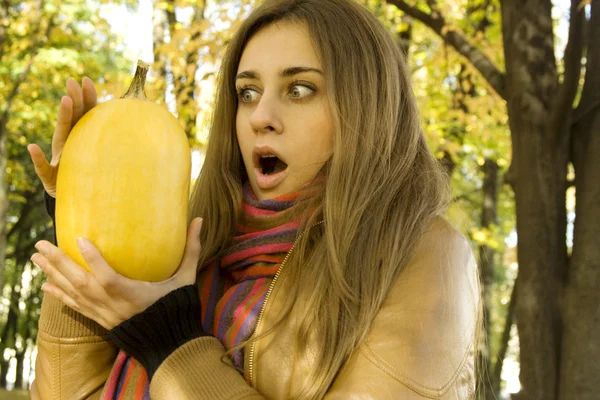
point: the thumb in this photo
(191, 255)
(105, 274)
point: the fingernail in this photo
(33, 258)
(81, 242)
(42, 247)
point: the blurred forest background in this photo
(509, 93)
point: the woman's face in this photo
(283, 122)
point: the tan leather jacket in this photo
(421, 344)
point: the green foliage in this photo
(464, 121)
(47, 43)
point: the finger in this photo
(40, 164)
(115, 286)
(192, 250)
(55, 276)
(107, 277)
(76, 94)
(83, 306)
(90, 97)
(192, 247)
(57, 292)
(63, 127)
(77, 276)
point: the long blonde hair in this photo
(381, 188)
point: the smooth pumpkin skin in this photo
(124, 183)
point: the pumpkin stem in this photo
(136, 89)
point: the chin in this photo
(267, 194)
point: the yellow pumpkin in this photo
(123, 183)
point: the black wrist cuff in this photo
(50, 203)
(151, 336)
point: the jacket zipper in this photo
(262, 309)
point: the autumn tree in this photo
(183, 45)
(20, 43)
(465, 123)
(44, 44)
(551, 127)
(489, 58)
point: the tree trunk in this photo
(508, 324)
(540, 113)
(4, 15)
(159, 69)
(185, 80)
(479, 16)
(3, 203)
(540, 116)
(4, 372)
(20, 357)
(581, 346)
(7, 338)
(540, 159)
(9, 331)
(486, 270)
(25, 332)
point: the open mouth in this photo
(271, 164)
(269, 168)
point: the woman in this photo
(322, 268)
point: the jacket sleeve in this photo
(420, 346)
(50, 203)
(200, 370)
(181, 360)
(74, 354)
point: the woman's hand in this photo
(103, 295)
(72, 107)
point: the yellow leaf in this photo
(480, 236)
(583, 4)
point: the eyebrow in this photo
(251, 74)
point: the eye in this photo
(246, 95)
(299, 91)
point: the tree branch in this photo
(25, 211)
(405, 37)
(573, 52)
(590, 96)
(484, 65)
(34, 199)
(563, 106)
(433, 6)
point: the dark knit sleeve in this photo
(50, 209)
(151, 336)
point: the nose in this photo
(266, 117)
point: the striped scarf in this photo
(232, 289)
